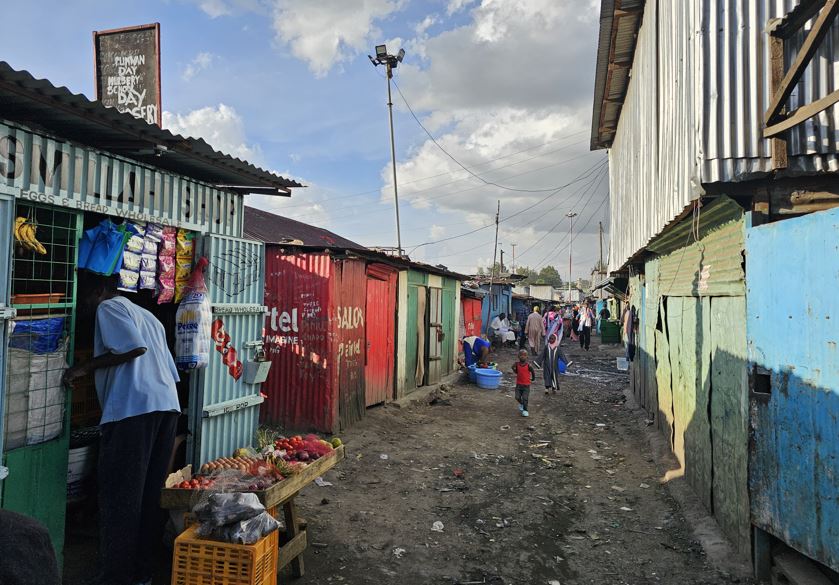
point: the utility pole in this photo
(391, 62)
(571, 216)
(492, 272)
(600, 266)
(501, 268)
(513, 268)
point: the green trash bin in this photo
(610, 332)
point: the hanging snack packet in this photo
(166, 279)
(154, 232)
(147, 281)
(149, 246)
(128, 280)
(185, 244)
(131, 261)
(167, 241)
(193, 323)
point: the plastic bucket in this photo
(488, 379)
(80, 463)
(473, 376)
(622, 364)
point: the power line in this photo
(492, 160)
(448, 194)
(577, 179)
(457, 162)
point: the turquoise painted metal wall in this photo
(494, 304)
(793, 279)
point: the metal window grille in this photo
(41, 339)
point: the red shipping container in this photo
(315, 338)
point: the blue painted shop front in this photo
(793, 332)
(498, 301)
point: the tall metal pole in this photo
(492, 272)
(393, 159)
(600, 271)
(570, 215)
(501, 268)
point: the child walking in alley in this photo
(524, 376)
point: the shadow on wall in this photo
(690, 374)
(794, 457)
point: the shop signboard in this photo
(44, 170)
(127, 70)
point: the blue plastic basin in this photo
(488, 379)
(473, 376)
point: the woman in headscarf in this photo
(550, 366)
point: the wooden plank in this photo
(277, 494)
(799, 115)
(776, 76)
(291, 551)
(811, 44)
(796, 19)
(798, 569)
(298, 539)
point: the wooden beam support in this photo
(776, 75)
(805, 55)
(801, 114)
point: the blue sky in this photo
(504, 86)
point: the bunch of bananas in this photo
(25, 235)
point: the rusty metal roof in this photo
(619, 24)
(40, 105)
(275, 229)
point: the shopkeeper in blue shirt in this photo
(135, 382)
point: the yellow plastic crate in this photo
(198, 561)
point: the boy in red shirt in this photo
(524, 376)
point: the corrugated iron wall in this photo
(351, 354)
(301, 344)
(711, 265)
(693, 112)
(735, 92)
(224, 410)
(793, 276)
(653, 162)
(65, 174)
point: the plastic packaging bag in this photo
(242, 532)
(193, 323)
(226, 508)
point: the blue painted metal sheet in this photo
(224, 409)
(497, 302)
(792, 275)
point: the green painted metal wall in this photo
(690, 368)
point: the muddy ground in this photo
(569, 495)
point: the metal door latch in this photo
(4, 472)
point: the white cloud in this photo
(221, 126)
(215, 8)
(201, 62)
(535, 97)
(457, 5)
(426, 23)
(327, 33)
(436, 232)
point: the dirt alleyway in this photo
(569, 495)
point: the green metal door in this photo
(411, 345)
(37, 414)
(449, 330)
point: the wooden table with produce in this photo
(291, 467)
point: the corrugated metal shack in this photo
(69, 163)
(331, 331)
(428, 324)
(320, 290)
(708, 215)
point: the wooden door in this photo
(435, 335)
